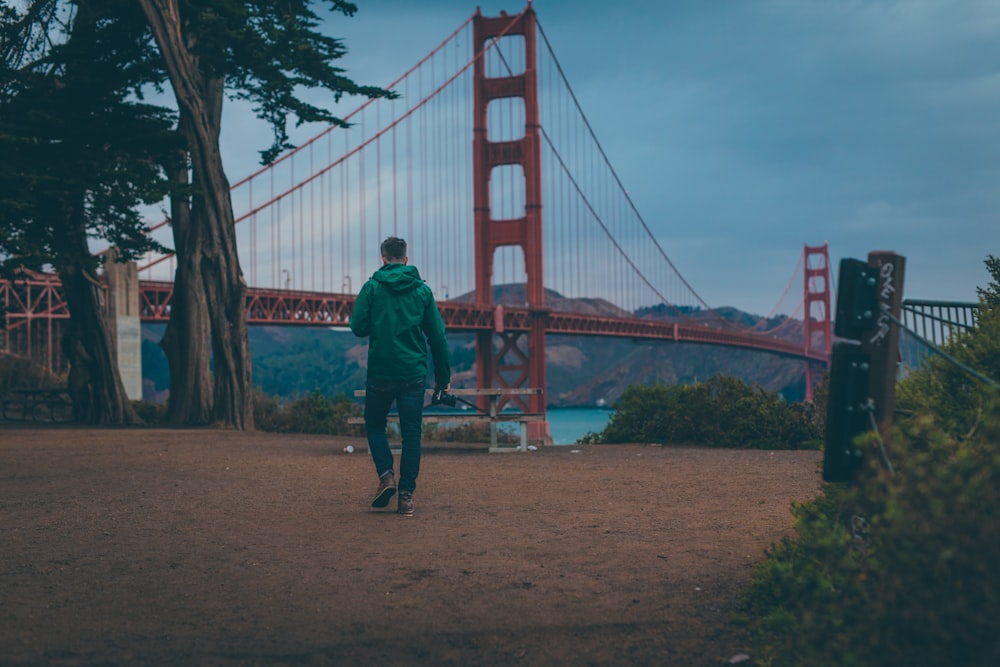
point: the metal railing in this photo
(934, 321)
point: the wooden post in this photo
(882, 342)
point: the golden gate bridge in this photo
(486, 163)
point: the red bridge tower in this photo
(817, 318)
(502, 358)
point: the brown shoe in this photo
(386, 489)
(405, 504)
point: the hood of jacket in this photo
(398, 278)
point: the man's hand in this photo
(441, 395)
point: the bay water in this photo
(567, 425)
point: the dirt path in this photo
(170, 547)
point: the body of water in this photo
(568, 424)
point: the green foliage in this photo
(305, 361)
(721, 412)
(898, 568)
(268, 53)
(942, 388)
(290, 362)
(800, 585)
(314, 413)
(81, 152)
(991, 294)
(895, 570)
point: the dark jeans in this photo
(409, 399)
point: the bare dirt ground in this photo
(182, 547)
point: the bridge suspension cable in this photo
(313, 218)
(310, 222)
(617, 180)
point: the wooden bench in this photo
(33, 403)
(493, 418)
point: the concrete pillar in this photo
(123, 287)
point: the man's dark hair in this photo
(394, 249)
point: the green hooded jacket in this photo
(396, 309)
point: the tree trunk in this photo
(222, 277)
(199, 100)
(186, 340)
(94, 385)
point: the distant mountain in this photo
(584, 371)
(516, 295)
(580, 370)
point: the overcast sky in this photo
(744, 129)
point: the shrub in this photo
(721, 412)
(898, 568)
(942, 388)
(313, 413)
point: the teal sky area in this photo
(744, 130)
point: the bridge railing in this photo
(934, 321)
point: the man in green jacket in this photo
(396, 310)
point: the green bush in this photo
(898, 568)
(941, 388)
(313, 413)
(721, 412)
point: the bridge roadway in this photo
(289, 308)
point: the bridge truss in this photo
(34, 313)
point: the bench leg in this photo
(524, 436)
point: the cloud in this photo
(743, 130)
